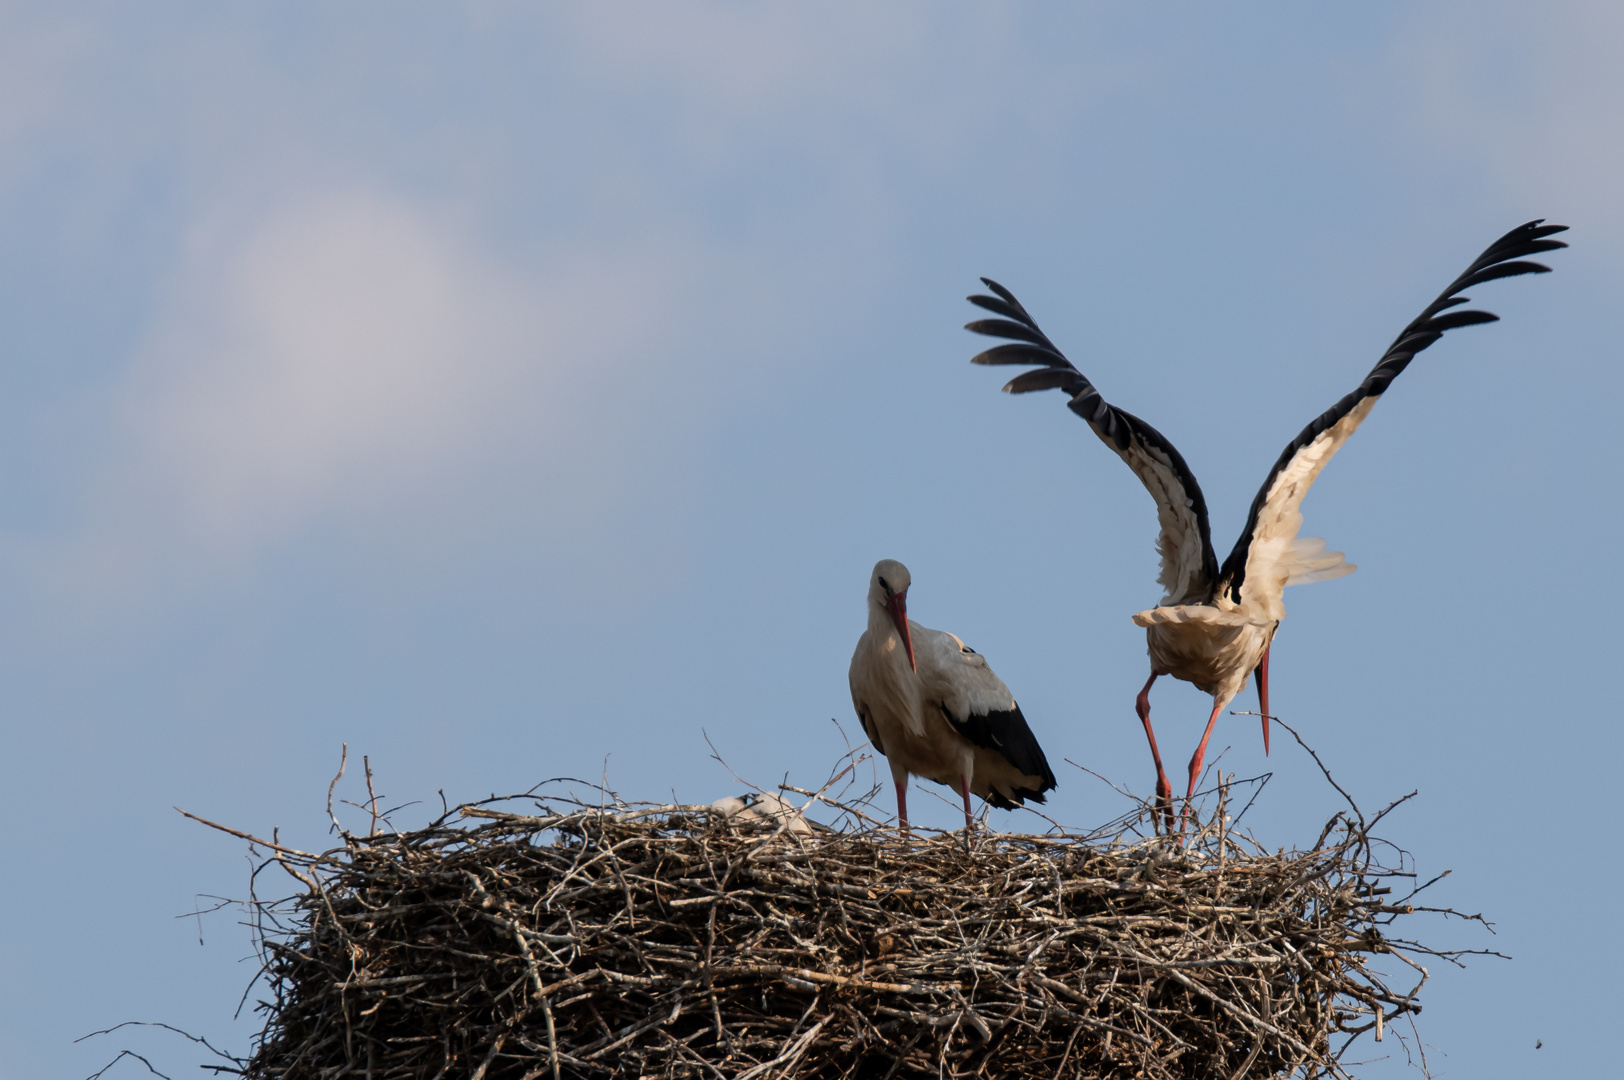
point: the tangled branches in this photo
(638, 941)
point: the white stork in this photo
(1215, 624)
(763, 807)
(933, 707)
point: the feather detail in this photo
(1197, 613)
(1189, 566)
(1262, 561)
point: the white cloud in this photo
(328, 349)
(336, 344)
(334, 359)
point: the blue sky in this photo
(504, 388)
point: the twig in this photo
(343, 760)
(372, 797)
(1328, 777)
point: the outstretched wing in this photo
(1189, 570)
(1269, 554)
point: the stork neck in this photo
(879, 620)
(884, 630)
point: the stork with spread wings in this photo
(1216, 622)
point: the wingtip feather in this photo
(1002, 292)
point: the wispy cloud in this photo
(327, 359)
(345, 337)
(335, 345)
(1536, 114)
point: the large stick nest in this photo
(625, 940)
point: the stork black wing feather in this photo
(1043, 379)
(1010, 330)
(1510, 269)
(1006, 732)
(1020, 354)
(1459, 318)
(997, 306)
(1008, 298)
(1422, 331)
(1142, 446)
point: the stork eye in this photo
(884, 586)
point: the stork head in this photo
(888, 591)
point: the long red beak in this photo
(1261, 674)
(897, 605)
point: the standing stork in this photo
(932, 706)
(1215, 623)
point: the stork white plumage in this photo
(932, 706)
(764, 807)
(1215, 623)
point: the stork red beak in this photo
(1261, 674)
(897, 605)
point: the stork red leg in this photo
(969, 821)
(1195, 762)
(1164, 789)
(1261, 674)
(902, 803)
